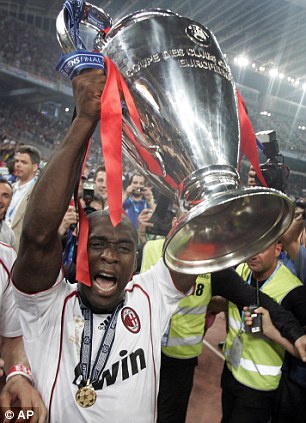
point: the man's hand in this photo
(148, 195)
(1, 367)
(300, 345)
(144, 223)
(19, 392)
(70, 218)
(251, 177)
(129, 190)
(144, 219)
(269, 330)
(87, 91)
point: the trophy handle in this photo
(63, 36)
(69, 18)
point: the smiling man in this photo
(100, 182)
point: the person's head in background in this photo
(137, 183)
(83, 179)
(97, 202)
(100, 182)
(300, 218)
(27, 160)
(6, 193)
(264, 263)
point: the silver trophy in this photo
(186, 99)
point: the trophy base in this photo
(226, 229)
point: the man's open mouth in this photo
(105, 283)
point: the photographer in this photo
(137, 197)
(275, 171)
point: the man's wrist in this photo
(20, 370)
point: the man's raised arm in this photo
(39, 259)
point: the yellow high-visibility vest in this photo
(184, 336)
(261, 360)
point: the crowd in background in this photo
(28, 48)
(24, 125)
(291, 139)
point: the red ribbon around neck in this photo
(82, 263)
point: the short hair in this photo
(100, 168)
(137, 174)
(105, 213)
(5, 181)
(32, 151)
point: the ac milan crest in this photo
(130, 319)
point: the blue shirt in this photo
(133, 209)
(300, 264)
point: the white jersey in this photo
(52, 324)
(9, 317)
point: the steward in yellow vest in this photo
(181, 344)
(184, 336)
(253, 362)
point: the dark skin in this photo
(112, 261)
(40, 253)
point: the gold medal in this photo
(86, 396)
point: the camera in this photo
(256, 318)
(88, 192)
(274, 170)
(162, 217)
(138, 191)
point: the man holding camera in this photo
(137, 197)
(252, 370)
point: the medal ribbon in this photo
(74, 13)
(83, 368)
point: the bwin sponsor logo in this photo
(127, 367)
